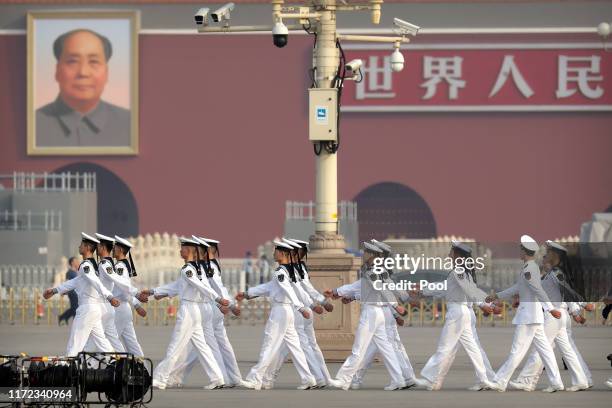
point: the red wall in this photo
(233, 110)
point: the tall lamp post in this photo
(329, 265)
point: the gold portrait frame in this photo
(133, 16)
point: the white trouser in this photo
(87, 324)
(457, 329)
(524, 336)
(398, 347)
(125, 329)
(110, 331)
(485, 359)
(371, 328)
(313, 358)
(225, 347)
(188, 328)
(279, 331)
(188, 359)
(556, 332)
(583, 364)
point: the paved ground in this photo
(594, 343)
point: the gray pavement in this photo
(420, 342)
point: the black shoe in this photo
(59, 320)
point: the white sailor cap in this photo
(210, 241)
(200, 241)
(102, 237)
(529, 243)
(292, 244)
(304, 244)
(386, 248)
(188, 241)
(368, 246)
(89, 238)
(461, 246)
(123, 242)
(554, 245)
(282, 245)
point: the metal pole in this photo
(326, 57)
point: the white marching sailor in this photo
(529, 321)
(107, 275)
(92, 299)
(126, 292)
(314, 362)
(225, 347)
(393, 318)
(208, 308)
(280, 328)
(461, 290)
(554, 283)
(188, 327)
(372, 324)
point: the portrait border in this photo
(133, 149)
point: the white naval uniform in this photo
(300, 326)
(574, 308)
(309, 323)
(398, 347)
(188, 328)
(371, 329)
(556, 331)
(188, 359)
(225, 347)
(88, 320)
(460, 292)
(394, 337)
(108, 277)
(474, 321)
(529, 319)
(280, 328)
(124, 323)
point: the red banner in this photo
(483, 77)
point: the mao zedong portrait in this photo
(79, 116)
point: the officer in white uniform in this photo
(371, 324)
(188, 325)
(529, 321)
(126, 292)
(458, 325)
(300, 325)
(280, 328)
(393, 318)
(188, 358)
(554, 283)
(92, 299)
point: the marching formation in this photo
(103, 320)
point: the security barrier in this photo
(27, 306)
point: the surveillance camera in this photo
(397, 61)
(404, 27)
(222, 13)
(352, 67)
(280, 34)
(201, 16)
(603, 29)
